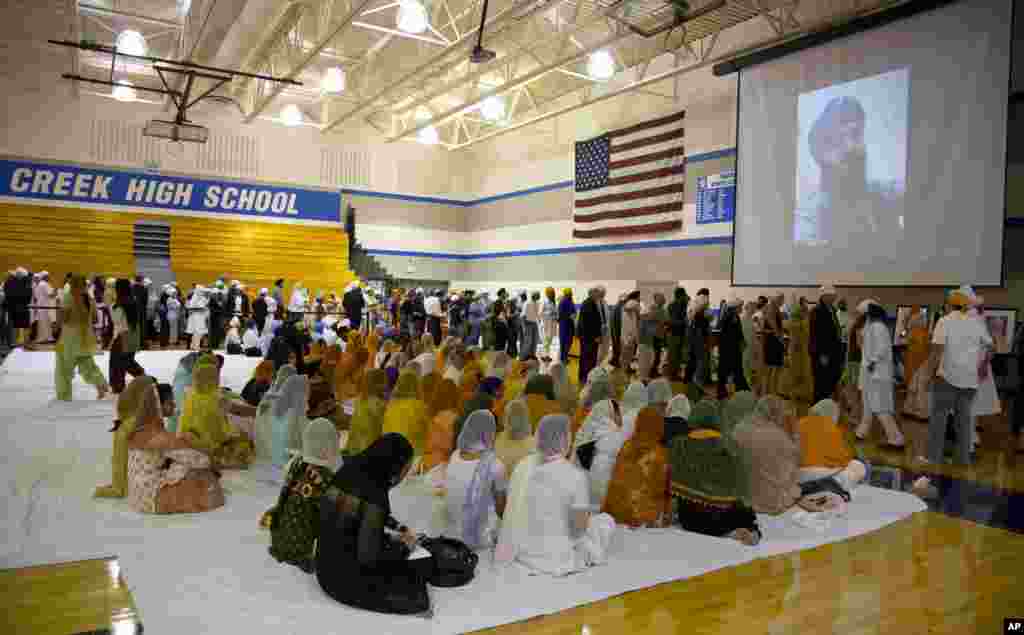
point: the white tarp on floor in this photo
(211, 573)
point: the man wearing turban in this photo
(847, 205)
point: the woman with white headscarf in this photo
(264, 427)
(475, 483)
(289, 413)
(564, 393)
(634, 400)
(549, 525)
(597, 447)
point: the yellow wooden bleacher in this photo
(62, 239)
(91, 242)
(72, 598)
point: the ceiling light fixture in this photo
(131, 43)
(412, 16)
(493, 108)
(428, 136)
(123, 93)
(291, 115)
(333, 80)
(601, 66)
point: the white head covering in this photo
(635, 398)
(600, 422)
(292, 404)
(146, 282)
(478, 436)
(826, 408)
(44, 274)
(320, 443)
(554, 434)
(659, 391)
(678, 406)
(264, 291)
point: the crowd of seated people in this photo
(520, 459)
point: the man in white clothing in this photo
(531, 327)
(44, 296)
(432, 307)
(961, 349)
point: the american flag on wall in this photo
(631, 181)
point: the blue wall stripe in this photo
(653, 244)
(560, 185)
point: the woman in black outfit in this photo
(499, 326)
(357, 562)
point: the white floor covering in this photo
(211, 573)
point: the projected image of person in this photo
(846, 202)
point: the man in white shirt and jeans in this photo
(961, 347)
(531, 327)
(432, 306)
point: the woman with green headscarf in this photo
(406, 413)
(708, 480)
(203, 418)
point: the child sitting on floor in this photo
(233, 342)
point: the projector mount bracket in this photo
(183, 99)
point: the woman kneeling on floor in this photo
(708, 482)
(166, 475)
(548, 524)
(358, 562)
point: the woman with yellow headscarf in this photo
(127, 408)
(77, 343)
(368, 416)
(406, 413)
(203, 418)
(472, 374)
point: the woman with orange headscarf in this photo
(472, 375)
(428, 386)
(372, 347)
(638, 494)
(916, 403)
(443, 410)
(259, 384)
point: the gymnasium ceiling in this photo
(401, 84)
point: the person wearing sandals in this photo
(876, 378)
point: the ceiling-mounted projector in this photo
(176, 131)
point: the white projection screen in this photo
(878, 159)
